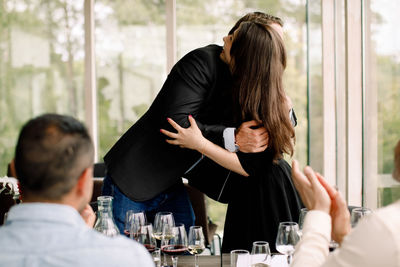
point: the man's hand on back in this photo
(250, 138)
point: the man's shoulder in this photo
(209, 53)
(211, 49)
(389, 216)
(83, 247)
(122, 249)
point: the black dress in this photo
(258, 203)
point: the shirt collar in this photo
(48, 212)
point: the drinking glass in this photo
(105, 222)
(287, 238)
(162, 229)
(133, 221)
(196, 242)
(145, 237)
(176, 245)
(357, 214)
(303, 213)
(156, 254)
(240, 257)
(5, 218)
(260, 252)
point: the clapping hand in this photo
(313, 194)
(317, 194)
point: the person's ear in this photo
(85, 183)
(12, 168)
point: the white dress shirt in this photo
(38, 234)
(374, 242)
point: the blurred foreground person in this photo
(53, 162)
(374, 242)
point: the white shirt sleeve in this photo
(313, 247)
(229, 139)
(374, 242)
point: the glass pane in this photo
(200, 23)
(382, 109)
(131, 63)
(41, 64)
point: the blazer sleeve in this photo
(186, 90)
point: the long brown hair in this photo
(258, 62)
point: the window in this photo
(41, 65)
(382, 98)
(131, 63)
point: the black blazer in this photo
(141, 163)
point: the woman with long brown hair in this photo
(256, 56)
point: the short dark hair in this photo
(51, 153)
(262, 17)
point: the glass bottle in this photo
(105, 222)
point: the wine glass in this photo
(133, 221)
(302, 216)
(240, 257)
(196, 242)
(176, 245)
(357, 214)
(287, 238)
(146, 238)
(163, 223)
(260, 252)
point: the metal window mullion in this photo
(171, 33)
(329, 104)
(90, 75)
(354, 101)
(370, 111)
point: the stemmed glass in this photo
(146, 237)
(196, 242)
(357, 214)
(133, 221)
(163, 224)
(260, 252)
(287, 238)
(303, 213)
(176, 245)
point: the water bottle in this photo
(105, 222)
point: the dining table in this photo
(224, 260)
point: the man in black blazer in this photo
(143, 171)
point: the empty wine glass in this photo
(196, 242)
(357, 214)
(133, 221)
(302, 217)
(162, 229)
(287, 238)
(146, 238)
(260, 252)
(175, 245)
(240, 257)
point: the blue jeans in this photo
(175, 200)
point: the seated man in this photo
(53, 162)
(374, 242)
